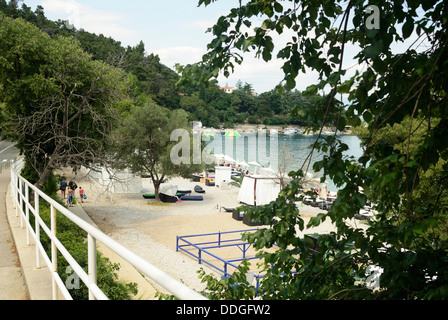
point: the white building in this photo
(227, 89)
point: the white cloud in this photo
(86, 17)
(182, 55)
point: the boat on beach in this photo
(290, 131)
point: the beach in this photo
(149, 228)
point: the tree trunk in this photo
(44, 177)
(156, 181)
(48, 169)
(156, 190)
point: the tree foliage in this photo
(59, 104)
(146, 146)
(388, 87)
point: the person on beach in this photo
(71, 193)
(62, 187)
(81, 193)
(72, 184)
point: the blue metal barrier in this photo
(203, 254)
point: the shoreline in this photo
(251, 128)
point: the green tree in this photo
(243, 102)
(432, 188)
(143, 143)
(389, 87)
(264, 109)
(192, 104)
(59, 104)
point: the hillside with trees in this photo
(150, 80)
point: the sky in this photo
(173, 29)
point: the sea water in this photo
(281, 152)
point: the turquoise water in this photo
(286, 153)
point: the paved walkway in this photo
(12, 283)
(19, 277)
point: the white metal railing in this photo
(20, 191)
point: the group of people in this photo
(71, 188)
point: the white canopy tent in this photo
(222, 173)
(259, 190)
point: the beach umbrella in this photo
(229, 159)
(208, 133)
(270, 170)
(232, 133)
(243, 164)
(254, 163)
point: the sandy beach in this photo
(149, 228)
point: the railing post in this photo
(54, 253)
(20, 202)
(37, 227)
(244, 251)
(14, 189)
(92, 263)
(27, 213)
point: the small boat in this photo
(198, 189)
(183, 192)
(179, 193)
(167, 198)
(289, 132)
(197, 177)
